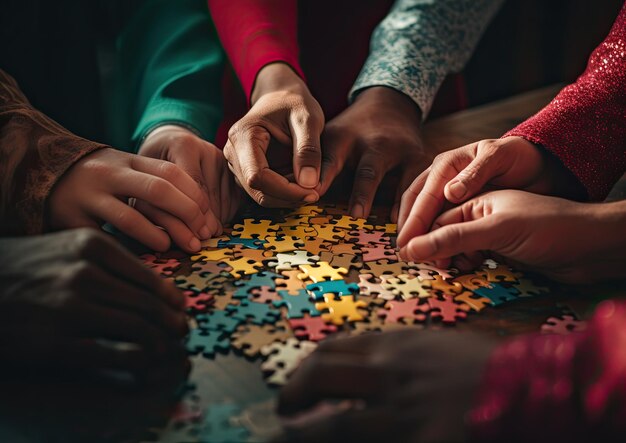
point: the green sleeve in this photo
(169, 70)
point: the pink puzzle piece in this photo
(311, 328)
(410, 310)
(447, 309)
(378, 252)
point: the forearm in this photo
(276, 77)
(546, 388)
(35, 152)
(420, 42)
(255, 33)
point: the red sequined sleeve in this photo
(548, 388)
(585, 125)
(255, 33)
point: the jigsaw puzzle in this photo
(273, 287)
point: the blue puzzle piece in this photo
(497, 293)
(339, 287)
(207, 342)
(217, 426)
(250, 243)
(257, 313)
(218, 321)
(297, 305)
(264, 278)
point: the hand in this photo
(97, 188)
(567, 241)
(204, 163)
(60, 294)
(416, 386)
(462, 173)
(377, 133)
(284, 122)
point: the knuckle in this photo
(308, 151)
(254, 179)
(169, 171)
(156, 188)
(88, 240)
(367, 173)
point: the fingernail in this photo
(194, 244)
(358, 211)
(205, 232)
(458, 190)
(308, 177)
(310, 198)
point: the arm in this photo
(568, 388)
(35, 153)
(170, 72)
(584, 125)
(420, 42)
(255, 33)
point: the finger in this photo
(428, 203)
(408, 199)
(130, 222)
(164, 195)
(473, 177)
(177, 230)
(372, 424)
(115, 293)
(307, 153)
(452, 240)
(213, 168)
(90, 355)
(409, 174)
(367, 177)
(255, 174)
(102, 250)
(335, 150)
(328, 376)
(184, 178)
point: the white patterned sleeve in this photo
(420, 42)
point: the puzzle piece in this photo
(527, 288)
(409, 311)
(259, 255)
(375, 288)
(192, 281)
(283, 244)
(217, 426)
(338, 287)
(368, 238)
(264, 278)
(497, 293)
(472, 281)
(198, 301)
(329, 233)
(249, 339)
(378, 252)
(297, 305)
(321, 271)
(388, 228)
(311, 328)
(284, 358)
(206, 342)
(444, 287)
(210, 267)
(218, 321)
(303, 232)
(290, 281)
(310, 210)
(348, 223)
(447, 309)
(159, 265)
(428, 271)
(320, 220)
(263, 294)
(245, 242)
(380, 267)
(255, 229)
(213, 255)
(473, 301)
(407, 286)
(292, 260)
(243, 265)
(345, 248)
(564, 325)
(296, 220)
(213, 242)
(341, 310)
(375, 323)
(498, 274)
(348, 261)
(257, 313)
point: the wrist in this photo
(162, 130)
(385, 96)
(276, 77)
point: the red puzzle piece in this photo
(447, 309)
(397, 310)
(311, 328)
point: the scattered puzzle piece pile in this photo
(271, 288)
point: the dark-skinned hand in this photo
(378, 133)
(412, 386)
(63, 295)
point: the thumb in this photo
(454, 239)
(471, 180)
(307, 153)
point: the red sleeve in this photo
(585, 125)
(255, 33)
(547, 388)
